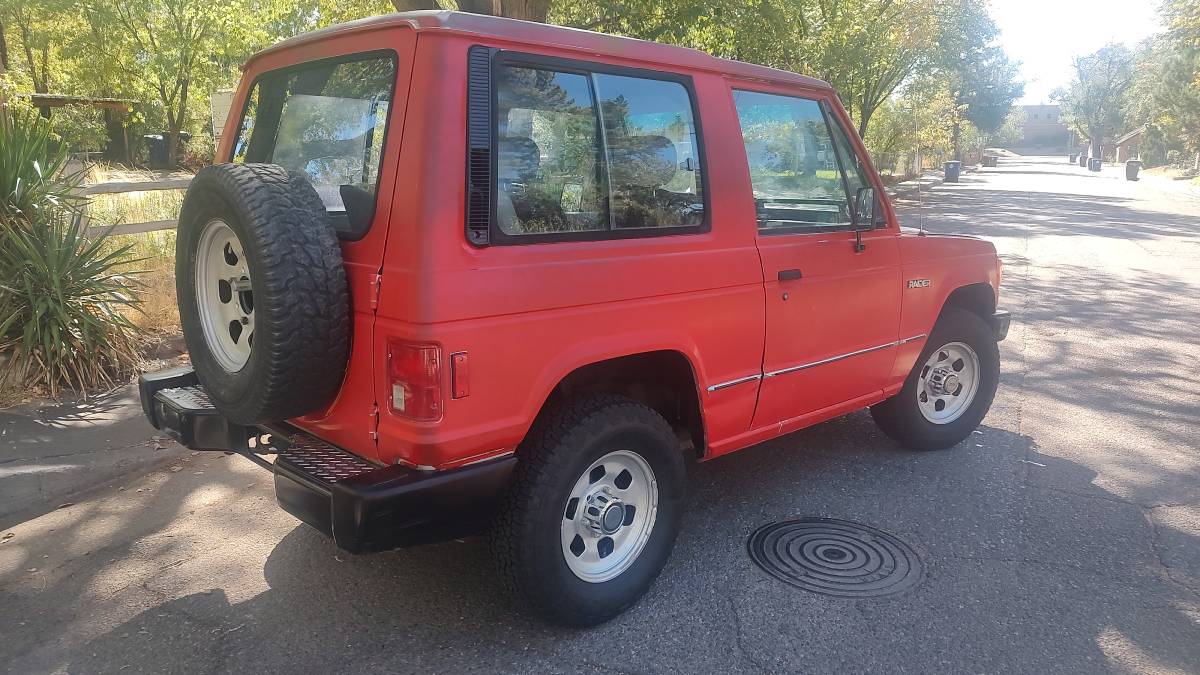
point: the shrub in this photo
(63, 296)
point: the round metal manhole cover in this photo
(836, 557)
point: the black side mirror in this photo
(360, 207)
(864, 209)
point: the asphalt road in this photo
(1065, 537)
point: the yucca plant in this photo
(63, 294)
(64, 302)
(32, 163)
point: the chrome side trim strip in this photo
(806, 366)
(740, 380)
(754, 378)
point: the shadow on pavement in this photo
(1017, 578)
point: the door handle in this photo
(789, 275)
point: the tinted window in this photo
(579, 152)
(793, 168)
(548, 156)
(326, 120)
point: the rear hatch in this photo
(334, 109)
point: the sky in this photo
(1046, 35)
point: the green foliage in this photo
(31, 163)
(1095, 102)
(62, 299)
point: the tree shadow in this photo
(1035, 564)
(1017, 213)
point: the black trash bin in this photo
(1132, 167)
(156, 151)
(1073, 158)
(1083, 159)
(952, 169)
(1094, 164)
(989, 161)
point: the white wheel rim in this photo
(224, 296)
(948, 383)
(605, 526)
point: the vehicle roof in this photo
(545, 34)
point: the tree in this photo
(1094, 103)
(980, 78)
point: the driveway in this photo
(1063, 537)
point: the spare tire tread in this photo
(302, 332)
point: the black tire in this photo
(301, 305)
(525, 538)
(900, 416)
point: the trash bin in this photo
(1132, 167)
(156, 150)
(1094, 164)
(989, 160)
(1073, 158)
(1083, 160)
(952, 169)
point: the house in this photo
(1044, 128)
(1129, 146)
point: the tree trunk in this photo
(410, 5)
(956, 140)
(528, 10)
(1096, 147)
(175, 125)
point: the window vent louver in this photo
(479, 144)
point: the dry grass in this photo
(153, 258)
(132, 207)
(153, 255)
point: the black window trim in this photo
(339, 219)
(778, 230)
(586, 68)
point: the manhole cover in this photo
(835, 557)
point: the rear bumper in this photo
(1000, 321)
(364, 507)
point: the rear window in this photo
(327, 119)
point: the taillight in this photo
(415, 375)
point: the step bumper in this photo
(363, 506)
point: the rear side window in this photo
(794, 170)
(583, 154)
(326, 119)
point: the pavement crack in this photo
(1166, 571)
(746, 654)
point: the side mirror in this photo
(864, 209)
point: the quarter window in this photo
(325, 119)
(580, 152)
(794, 171)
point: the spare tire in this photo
(262, 292)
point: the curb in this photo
(927, 181)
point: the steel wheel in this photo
(224, 296)
(948, 383)
(609, 516)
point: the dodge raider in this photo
(458, 274)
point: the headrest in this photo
(519, 158)
(641, 161)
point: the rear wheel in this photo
(950, 389)
(593, 510)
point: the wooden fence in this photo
(136, 186)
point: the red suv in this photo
(463, 274)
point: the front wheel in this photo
(593, 510)
(949, 390)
